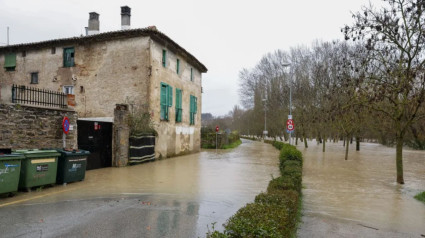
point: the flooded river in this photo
(361, 193)
(176, 197)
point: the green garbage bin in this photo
(72, 166)
(10, 167)
(38, 168)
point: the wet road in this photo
(359, 197)
(176, 197)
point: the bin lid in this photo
(38, 153)
(71, 153)
(13, 156)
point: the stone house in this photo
(143, 68)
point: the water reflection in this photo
(363, 189)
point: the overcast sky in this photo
(225, 35)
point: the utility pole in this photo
(290, 98)
(265, 132)
(290, 109)
(7, 36)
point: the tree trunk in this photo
(324, 143)
(305, 142)
(351, 140)
(296, 140)
(343, 144)
(399, 160)
(346, 148)
(357, 143)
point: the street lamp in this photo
(290, 98)
(265, 118)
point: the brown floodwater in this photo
(207, 187)
(363, 188)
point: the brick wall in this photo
(29, 127)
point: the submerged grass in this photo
(421, 197)
(232, 145)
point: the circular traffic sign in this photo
(65, 125)
(290, 125)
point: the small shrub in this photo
(421, 197)
(278, 145)
(289, 152)
(260, 220)
(282, 183)
(286, 198)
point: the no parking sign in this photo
(65, 125)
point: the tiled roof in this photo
(112, 35)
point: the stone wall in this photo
(104, 74)
(29, 127)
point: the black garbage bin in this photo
(71, 166)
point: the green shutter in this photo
(178, 105)
(195, 102)
(178, 66)
(170, 96)
(10, 60)
(68, 57)
(191, 74)
(164, 58)
(190, 104)
(163, 101)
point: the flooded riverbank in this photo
(362, 191)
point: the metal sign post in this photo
(65, 129)
(290, 127)
(216, 141)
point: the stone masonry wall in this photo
(28, 127)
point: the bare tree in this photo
(395, 85)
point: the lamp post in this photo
(290, 98)
(265, 118)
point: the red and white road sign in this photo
(216, 129)
(290, 125)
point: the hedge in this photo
(276, 212)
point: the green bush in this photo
(421, 197)
(260, 220)
(278, 145)
(291, 163)
(289, 152)
(288, 198)
(282, 183)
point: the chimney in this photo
(125, 17)
(93, 24)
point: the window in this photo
(179, 109)
(10, 62)
(34, 78)
(166, 100)
(68, 90)
(164, 58)
(53, 50)
(178, 66)
(191, 74)
(24, 53)
(193, 109)
(68, 57)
